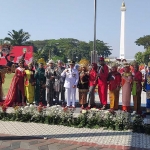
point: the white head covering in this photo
(59, 61)
(51, 61)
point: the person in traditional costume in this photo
(114, 81)
(146, 87)
(71, 80)
(40, 81)
(29, 83)
(102, 83)
(136, 88)
(126, 87)
(59, 83)
(92, 85)
(15, 93)
(83, 84)
(50, 80)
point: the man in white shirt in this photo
(71, 80)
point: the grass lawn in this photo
(6, 85)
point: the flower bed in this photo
(93, 118)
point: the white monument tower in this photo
(122, 34)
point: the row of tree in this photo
(69, 48)
(64, 49)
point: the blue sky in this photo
(54, 19)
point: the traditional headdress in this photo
(126, 64)
(101, 58)
(114, 64)
(41, 61)
(83, 63)
(30, 64)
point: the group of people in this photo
(113, 79)
(47, 83)
(39, 86)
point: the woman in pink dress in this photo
(16, 94)
(126, 87)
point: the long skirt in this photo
(29, 93)
(126, 96)
(114, 99)
(83, 96)
(137, 101)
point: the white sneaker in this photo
(48, 105)
(133, 113)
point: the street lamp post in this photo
(94, 52)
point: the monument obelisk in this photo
(122, 33)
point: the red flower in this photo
(41, 104)
(39, 108)
(4, 108)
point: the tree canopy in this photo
(69, 48)
(143, 57)
(18, 37)
(63, 48)
(143, 41)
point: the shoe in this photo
(82, 107)
(67, 107)
(48, 105)
(88, 108)
(73, 107)
(104, 107)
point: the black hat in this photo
(71, 62)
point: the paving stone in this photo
(91, 148)
(15, 145)
(72, 147)
(33, 142)
(53, 146)
(63, 145)
(83, 148)
(6, 143)
(44, 147)
(3, 146)
(6, 148)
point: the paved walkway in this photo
(33, 136)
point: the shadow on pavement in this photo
(8, 137)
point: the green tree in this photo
(101, 48)
(139, 57)
(69, 48)
(146, 56)
(18, 37)
(39, 54)
(143, 41)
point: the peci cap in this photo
(71, 62)
(101, 58)
(59, 61)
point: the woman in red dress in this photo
(15, 94)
